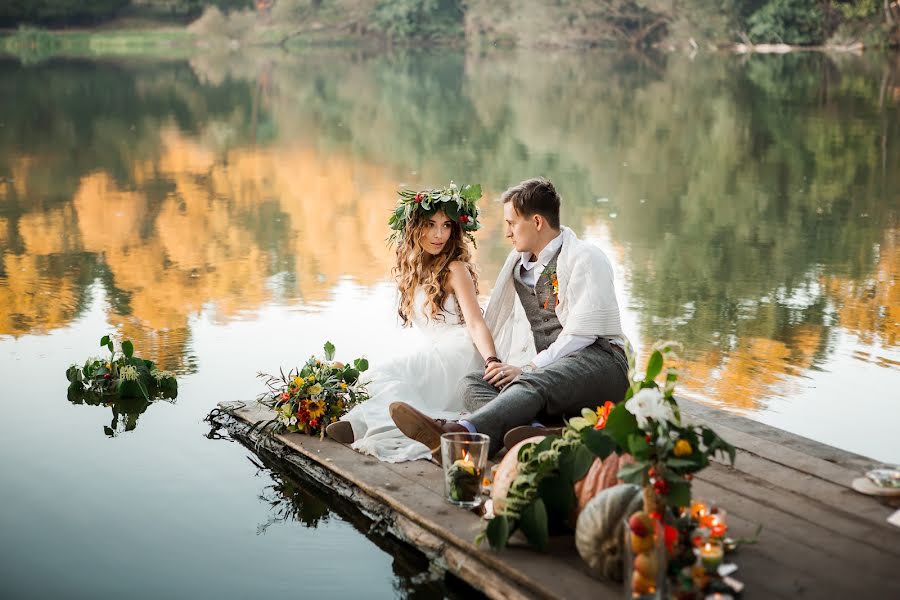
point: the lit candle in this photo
(699, 510)
(717, 526)
(464, 479)
(711, 556)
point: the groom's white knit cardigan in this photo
(587, 298)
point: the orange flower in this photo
(603, 414)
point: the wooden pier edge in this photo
(820, 538)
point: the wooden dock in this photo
(820, 538)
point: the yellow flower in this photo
(108, 366)
(340, 405)
(683, 448)
(343, 385)
(316, 408)
(311, 379)
(316, 389)
(298, 381)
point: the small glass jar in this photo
(464, 456)
(646, 562)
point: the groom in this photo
(564, 287)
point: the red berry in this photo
(107, 376)
(463, 218)
(649, 438)
(420, 196)
(651, 472)
(661, 486)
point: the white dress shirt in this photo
(565, 344)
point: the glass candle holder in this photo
(464, 456)
(711, 554)
(645, 562)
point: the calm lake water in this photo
(228, 215)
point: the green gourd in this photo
(599, 531)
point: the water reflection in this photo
(125, 411)
(293, 497)
(751, 204)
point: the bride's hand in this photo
(500, 374)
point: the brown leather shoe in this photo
(421, 427)
(340, 431)
(517, 434)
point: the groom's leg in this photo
(584, 379)
(475, 391)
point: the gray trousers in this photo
(583, 379)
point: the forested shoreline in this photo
(667, 24)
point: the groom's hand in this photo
(500, 374)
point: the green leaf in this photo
(350, 375)
(361, 364)
(620, 424)
(104, 341)
(498, 532)
(110, 347)
(579, 423)
(558, 495)
(654, 366)
(534, 524)
(581, 462)
(127, 348)
(72, 373)
(682, 463)
(598, 442)
(633, 473)
(679, 493)
(329, 351)
(470, 193)
(638, 446)
(143, 389)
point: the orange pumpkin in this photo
(600, 476)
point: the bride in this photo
(439, 295)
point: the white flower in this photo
(293, 421)
(159, 375)
(649, 404)
(129, 373)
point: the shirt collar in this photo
(546, 254)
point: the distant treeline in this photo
(574, 23)
(56, 13)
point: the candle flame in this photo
(466, 456)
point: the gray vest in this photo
(540, 305)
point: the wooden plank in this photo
(414, 491)
(821, 540)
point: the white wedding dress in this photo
(426, 377)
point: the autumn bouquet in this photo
(648, 426)
(310, 397)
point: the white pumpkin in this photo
(599, 532)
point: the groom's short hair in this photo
(535, 196)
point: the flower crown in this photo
(457, 202)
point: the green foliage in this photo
(122, 374)
(407, 19)
(795, 22)
(58, 11)
(857, 9)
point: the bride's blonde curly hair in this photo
(415, 267)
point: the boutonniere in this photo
(554, 285)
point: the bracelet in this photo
(491, 359)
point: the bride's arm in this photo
(464, 289)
